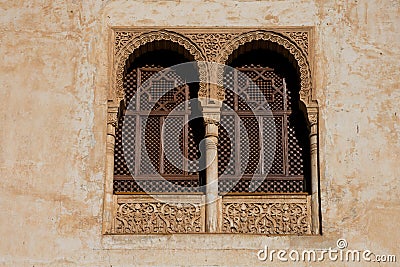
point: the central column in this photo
(211, 95)
(211, 115)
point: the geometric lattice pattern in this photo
(295, 153)
(173, 145)
(193, 152)
(272, 186)
(274, 151)
(266, 87)
(140, 144)
(251, 152)
(120, 165)
(226, 146)
(277, 166)
(163, 186)
(150, 146)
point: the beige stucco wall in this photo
(54, 82)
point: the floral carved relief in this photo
(156, 217)
(300, 38)
(266, 218)
(211, 43)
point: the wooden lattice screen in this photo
(286, 174)
(178, 175)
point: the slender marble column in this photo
(108, 186)
(211, 115)
(211, 176)
(313, 118)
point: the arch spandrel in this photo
(124, 51)
(289, 45)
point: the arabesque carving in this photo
(122, 38)
(246, 214)
(157, 217)
(300, 38)
(211, 43)
(313, 118)
(266, 218)
(112, 118)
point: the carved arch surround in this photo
(200, 42)
(227, 47)
(289, 45)
(124, 52)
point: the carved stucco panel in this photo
(262, 217)
(211, 43)
(144, 215)
(301, 38)
(122, 38)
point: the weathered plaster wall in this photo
(54, 83)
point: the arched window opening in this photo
(266, 183)
(141, 163)
(275, 73)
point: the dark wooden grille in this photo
(122, 185)
(269, 185)
(158, 96)
(226, 146)
(286, 172)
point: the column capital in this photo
(211, 116)
(313, 118)
(312, 113)
(112, 116)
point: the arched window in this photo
(277, 149)
(256, 172)
(147, 130)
